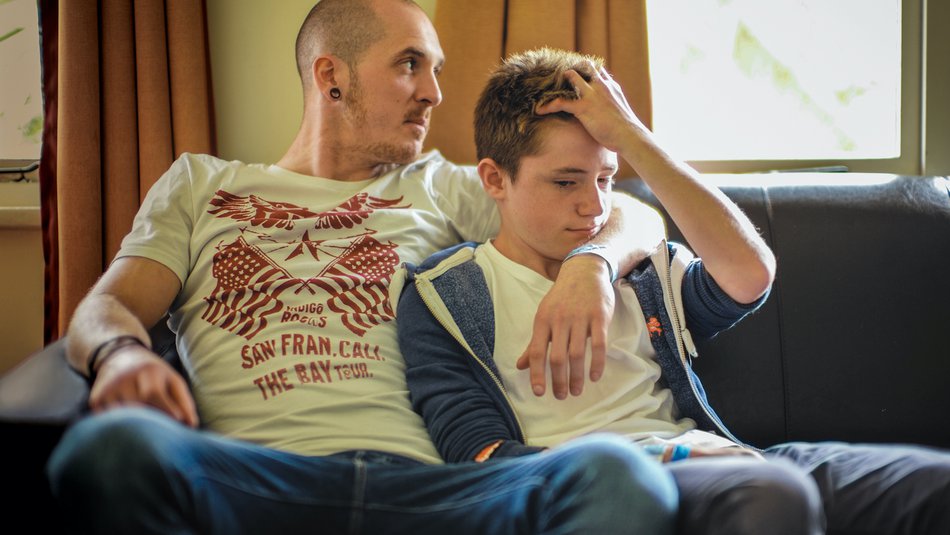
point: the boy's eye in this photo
(606, 182)
(563, 183)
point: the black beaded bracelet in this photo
(110, 346)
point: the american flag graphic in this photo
(248, 284)
(358, 282)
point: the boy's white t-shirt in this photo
(283, 321)
(629, 399)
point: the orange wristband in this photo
(487, 451)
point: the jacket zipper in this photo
(464, 343)
(681, 345)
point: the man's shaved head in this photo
(344, 28)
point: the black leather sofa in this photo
(851, 343)
(849, 346)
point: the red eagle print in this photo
(355, 210)
(263, 213)
(260, 212)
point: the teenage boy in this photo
(295, 414)
(549, 127)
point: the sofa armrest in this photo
(43, 389)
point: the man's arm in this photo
(633, 232)
(458, 410)
(580, 305)
(134, 293)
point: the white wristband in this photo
(599, 250)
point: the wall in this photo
(21, 273)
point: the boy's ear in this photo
(493, 178)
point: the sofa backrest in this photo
(851, 342)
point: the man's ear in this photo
(494, 178)
(328, 72)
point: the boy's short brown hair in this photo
(506, 125)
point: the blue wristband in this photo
(680, 452)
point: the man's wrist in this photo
(106, 349)
(597, 250)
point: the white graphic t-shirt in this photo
(284, 322)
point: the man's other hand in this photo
(136, 376)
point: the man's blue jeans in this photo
(137, 471)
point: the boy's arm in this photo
(109, 325)
(459, 413)
(733, 252)
(707, 308)
(580, 305)
(731, 248)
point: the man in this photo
(275, 278)
(549, 127)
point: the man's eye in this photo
(563, 183)
(411, 63)
(606, 182)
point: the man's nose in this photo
(429, 90)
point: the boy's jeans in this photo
(137, 471)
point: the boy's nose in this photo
(593, 202)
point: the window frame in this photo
(914, 25)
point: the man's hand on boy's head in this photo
(578, 307)
(601, 107)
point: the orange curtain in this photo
(475, 36)
(127, 88)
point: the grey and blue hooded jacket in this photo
(446, 326)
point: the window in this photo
(783, 80)
(21, 102)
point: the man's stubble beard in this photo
(380, 152)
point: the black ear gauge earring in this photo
(335, 93)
